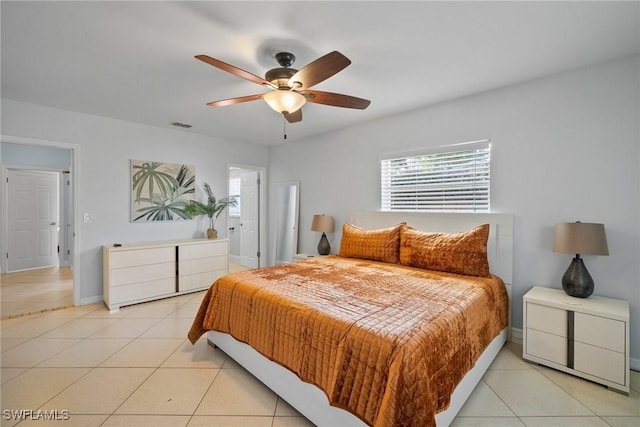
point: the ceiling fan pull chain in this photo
(284, 128)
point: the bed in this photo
(368, 339)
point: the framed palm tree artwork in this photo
(160, 191)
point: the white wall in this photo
(106, 147)
(564, 148)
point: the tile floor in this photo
(134, 367)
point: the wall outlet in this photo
(88, 217)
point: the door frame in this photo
(75, 211)
(262, 208)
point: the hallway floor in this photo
(35, 291)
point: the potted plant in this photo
(213, 208)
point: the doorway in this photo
(38, 226)
(246, 221)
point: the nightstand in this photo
(586, 337)
(302, 257)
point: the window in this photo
(454, 178)
(234, 191)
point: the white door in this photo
(249, 219)
(33, 215)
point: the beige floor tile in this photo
(283, 409)
(230, 421)
(7, 374)
(622, 421)
(151, 310)
(32, 327)
(485, 403)
(75, 420)
(78, 328)
(33, 388)
(147, 421)
(73, 312)
(237, 392)
(104, 313)
(291, 422)
(487, 422)
(5, 323)
(198, 355)
(596, 397)
(143, 353)
(169, 391)
(125, 328)
(87, 352)
(35, 351)
(529, 393)
(186, 311)
(100, 391)
(169, 328)
(8, 343)
(507, 359)
(563, 422)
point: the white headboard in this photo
(499, 246)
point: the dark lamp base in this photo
(323, 247)
(577, 281)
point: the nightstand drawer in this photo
(600, 362)
(547, 319)
(600, 331)
(546, 346)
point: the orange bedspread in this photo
(386, 342)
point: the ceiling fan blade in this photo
(319, 70)
(335, 99)
(234, 70)
(294, 117)
(237, 100)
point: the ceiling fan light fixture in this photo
(285, 101)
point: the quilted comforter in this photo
(386, 342)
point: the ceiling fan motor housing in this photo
(280, 76)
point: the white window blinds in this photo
(451, 179)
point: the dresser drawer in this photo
(199, 280)
(547, 319)
(143, 290)
(142, 273)
(600, 332)
(131, 257)
(600, 362)
(546, 346)
(204, 250)
(202, 265)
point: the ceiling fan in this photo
(290, 87)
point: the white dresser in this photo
(586, 337)
(139, 272)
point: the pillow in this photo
(461, 253)
(375, 245)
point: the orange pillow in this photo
(461, 253)
(376, 245)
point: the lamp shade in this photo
(322, 223)
(285, 101)
(580, 238)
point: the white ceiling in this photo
(135, 60)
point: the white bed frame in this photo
(309, 400)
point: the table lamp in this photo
(323, 223)
(579, 238)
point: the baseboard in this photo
(634, 364)
(516, 335)
(91, 300)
